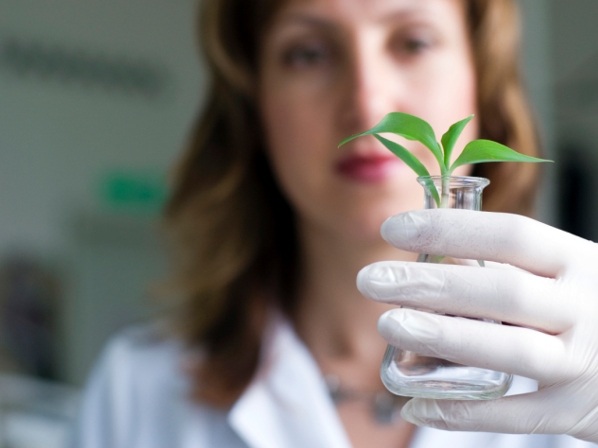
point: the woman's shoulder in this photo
(144, 357)
(138, 393)
(135, 346)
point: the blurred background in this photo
(96, 98)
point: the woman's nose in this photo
(371, 90)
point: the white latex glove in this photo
(552, 302)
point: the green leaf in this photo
(479, 151)
(411, 161)
(405, 155)
(409, 127)
(451, 136)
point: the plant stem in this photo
(444, 191)
(445, 184)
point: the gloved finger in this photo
(504, 348)
(513, 296)
(530, 413)
(500, 237)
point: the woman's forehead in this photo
(371, 10)
(339, 16)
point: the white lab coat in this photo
(137, 397)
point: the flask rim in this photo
(456, 181)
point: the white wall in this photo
(574, 46)
(575, 34)
(58, 140)
(575, 56)
(537, 64)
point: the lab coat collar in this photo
(287, 405)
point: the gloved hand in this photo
(549, 294)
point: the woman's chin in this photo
(357, 223)
(363, 225)
(367, 231)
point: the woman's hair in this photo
(233, 232)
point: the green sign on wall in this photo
(133, 191)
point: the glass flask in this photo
(409, 374)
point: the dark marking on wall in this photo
(82, 67)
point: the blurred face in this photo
(332, 68)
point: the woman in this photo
(273, 222)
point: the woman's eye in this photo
(411, 46)
(304, 56)
(414, 46)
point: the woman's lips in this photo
(368, 168)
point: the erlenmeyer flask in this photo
(407, 373)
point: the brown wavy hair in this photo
(233, 232)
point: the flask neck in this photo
(462, 192)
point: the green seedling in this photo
(414, 128)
